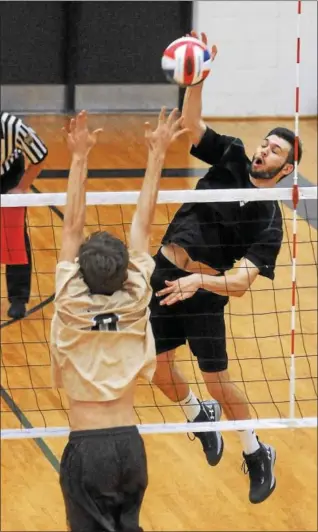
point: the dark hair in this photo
(289, 136)
(103, 261)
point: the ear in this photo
(288, 168)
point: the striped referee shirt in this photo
(17, 138)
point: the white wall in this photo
(254, 73)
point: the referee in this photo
(19, 141)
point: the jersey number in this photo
(106, 322)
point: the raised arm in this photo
(208, 146)
(192, 103)
(80, 141)
(158, 141)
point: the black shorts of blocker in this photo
(198, 320)
(103, 477)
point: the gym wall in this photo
(255, 71)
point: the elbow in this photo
(239, 289)
(239, 293)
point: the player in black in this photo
(193, 281)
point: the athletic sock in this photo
(191, 406)
(249, 441)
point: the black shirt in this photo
(218, 234)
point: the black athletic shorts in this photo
(103, 477)
(198, 320)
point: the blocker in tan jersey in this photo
(99, 362)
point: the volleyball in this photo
(186, 61)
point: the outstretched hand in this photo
(179, 290)
(79, 139)
(204, 39)
(167, 131)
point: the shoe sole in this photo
(274, 484)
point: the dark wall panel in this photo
(122, 42)
(31, 42)
(88, 42)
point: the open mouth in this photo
(258, 161)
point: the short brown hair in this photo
(103, 261)
(289, 136)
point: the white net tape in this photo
(165, 196)
(174, 428)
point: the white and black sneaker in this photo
(212, 442)
(260, 467)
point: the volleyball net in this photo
(272, 351)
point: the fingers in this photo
(181, 132)
(81, 119)
(172, 299)
(165, 291)
(64, 132)
(98, 131)
(162, 116)
(178, 128)
(174, 117)
(72, 125)
(147, 129)
(214, 52)
(204, 37)
(178, 124)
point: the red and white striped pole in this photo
(295, 198)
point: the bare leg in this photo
(233, 401)
(169, 379)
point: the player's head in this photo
(274, 157)
(103, 261)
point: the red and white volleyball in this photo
(186, 61)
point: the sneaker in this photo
(212, 442)
(260, 466)
(17, 310)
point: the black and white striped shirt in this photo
(17, 138)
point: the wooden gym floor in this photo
(184, 492)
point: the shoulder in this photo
(66, 272)
(141, 262)
(140, 269)
(67, 266)
(12, 120)
(6, 116)
(236, 153)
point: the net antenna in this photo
(295, 198)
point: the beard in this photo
(265, 174)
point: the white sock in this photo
(249, 441)
(190, 406)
